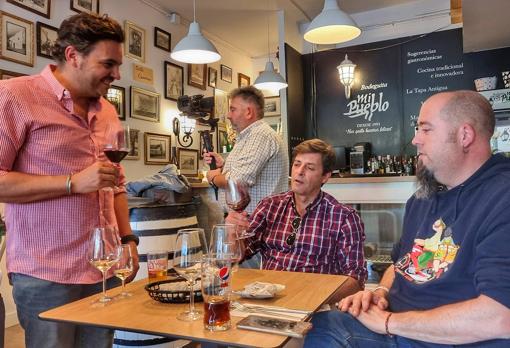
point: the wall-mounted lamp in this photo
(187, 125)
(346, 73)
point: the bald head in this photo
(467, 107)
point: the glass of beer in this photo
(216, 276)
(157, 264)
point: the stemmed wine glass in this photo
(124, 267)
(238, 198)
(225, 244)
(117, 143)
(190, 248)
(103, 253)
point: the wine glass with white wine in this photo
(103, 253)
(124, 267)
(189, 249)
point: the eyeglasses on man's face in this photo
(296, 223)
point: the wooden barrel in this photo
(156, 225)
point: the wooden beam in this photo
(456, 11)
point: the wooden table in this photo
(142, 314)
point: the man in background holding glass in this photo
(52, 170)
(258, 158)
(306, 229)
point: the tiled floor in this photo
(14, 337)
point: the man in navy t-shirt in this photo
(450, 281)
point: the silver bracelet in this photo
(382, 288)
(69, 184)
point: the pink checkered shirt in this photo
(329, 239)
(40, 135)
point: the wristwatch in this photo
(129, 238)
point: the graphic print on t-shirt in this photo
(429, 258)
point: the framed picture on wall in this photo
(46, 36)
(156, 148)
(272, 106)
(197, 74)
(134, 149)
(213, 77)
(220, 105)
(17, 39)
(116, 95)
(88, 6)
(226, 73)
(222, 140)
(144, 104)
(6, 74)
(187, 160)
(162, 39)
(41, 7)
(135, 41)
(242, 80)
(174, 81)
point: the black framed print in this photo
(174, 81)
(88, 6)
(41, 7)
(226, 73)
(162, 39)
(46, 36)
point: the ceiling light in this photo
(269, 79)
(331, 26)
(194, 48)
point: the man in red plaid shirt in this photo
(306, 229)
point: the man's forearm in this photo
(122, 214)
(469, 321)
(18, 187)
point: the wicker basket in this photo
(166, 296)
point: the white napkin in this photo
(260, 290)
(265, 311)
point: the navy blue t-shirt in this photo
(456, 246)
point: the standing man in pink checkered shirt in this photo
(52, 170)
(306, 229)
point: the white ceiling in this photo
(243, 23)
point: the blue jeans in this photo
(338, 329)
(33, 296)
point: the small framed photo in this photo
(116, 95)
(157, 148)
(226, 73)
(135, 41)
(242, 80)
(174, 81)
(17, 39)
(162, 39)
(197, 74)
(213, 77)
(144, 104)
(272, 106)
(6, 74)
(88, 6)
(220, 105)
(41, 7)
(187, 160)
(222, 140)
(134, 149)
(46, 36)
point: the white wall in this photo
(146, 17)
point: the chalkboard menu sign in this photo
(392, 85)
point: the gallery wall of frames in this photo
(146, 95)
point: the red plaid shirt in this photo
(329, 239)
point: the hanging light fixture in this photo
(346, 72)
(194, 48)
(269, 79)
(331, 26)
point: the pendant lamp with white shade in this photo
(331, 26)
(194, 48)
(269, 79)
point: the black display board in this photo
(392, 84)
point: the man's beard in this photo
(428, 185)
